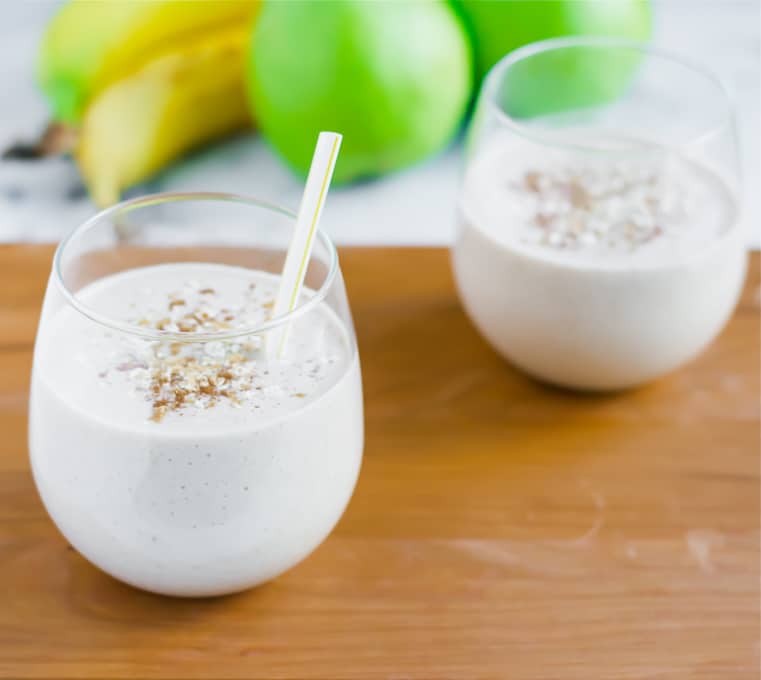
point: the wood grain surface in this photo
(500, 528)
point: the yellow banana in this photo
(133, 84)
(178, 101)
(89, 45)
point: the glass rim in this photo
(497, 71)
(176, 336)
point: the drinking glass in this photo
(171, 445)
(599, 242)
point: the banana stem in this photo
(57, 139)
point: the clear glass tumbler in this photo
(171, 444)
(599, 242)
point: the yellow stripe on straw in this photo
(323, 190)
(300, 248)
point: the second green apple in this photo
(394, 78)
(566, 80)
(500, 26)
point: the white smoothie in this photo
(594, 271)
(193, 468)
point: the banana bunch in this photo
(136, 84)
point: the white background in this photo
(42, 201)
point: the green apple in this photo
(499, 26)
(393, 77)
(557, 81)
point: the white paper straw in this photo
(300, 248)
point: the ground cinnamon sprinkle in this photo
(186, 326)
(193, 373)
(578, 207)
(180, 373)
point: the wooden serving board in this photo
(500, 528)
